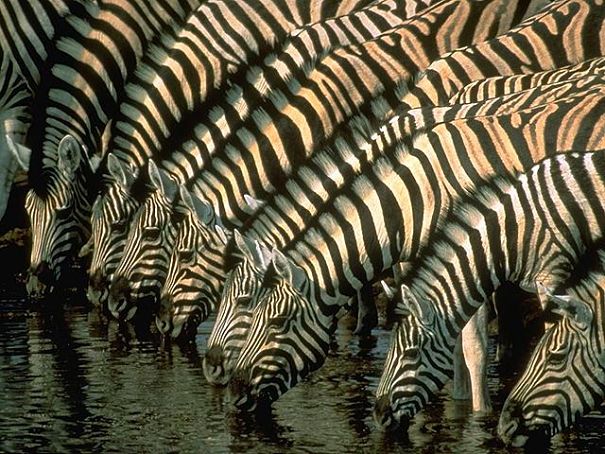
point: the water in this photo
(71, 382)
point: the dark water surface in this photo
(71, 382)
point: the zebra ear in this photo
(203, 209)
(161, 181)
(69, 154)
(221, 233)
(419, 307)
(390, 292)
(565, 306)
(287, 270)
(86, 249)
(119, 170)
(252, 250)
(252, 204)
(20, 152)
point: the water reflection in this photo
(71, 380)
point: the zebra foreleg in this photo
(474, 346)
(367, 314)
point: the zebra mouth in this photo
(519, 435)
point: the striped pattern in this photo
(81, 92)
(521, 230)
(15, 103)
(372, 225)
(287, 213)
(509, 54)
(289, 128)
(136, 137)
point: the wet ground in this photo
(72, 382)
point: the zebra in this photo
(81, 92)
(372, 225)
(286, 214)
(528, 229)
(256, 163)
(564, 378)
(146, 120)
(28, 35)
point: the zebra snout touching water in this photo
(565, 376)
(148, 246)
(60, 232)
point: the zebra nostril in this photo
(162, 325)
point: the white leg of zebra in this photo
(461, 384)
(474, 347)
(8, 169)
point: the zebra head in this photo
(111, 215)
(565, 377)
(418, 363)
(59, 213)
(245, 262)
(195, 274)
(143, 267)
(289, 338)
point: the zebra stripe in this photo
(134, 140)
(565, 377)
(371, 226)
(288, 129)
(285, 216)
(86, 80)
(525, 230)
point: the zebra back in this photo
(386, 216)
(503, 85)
(524, 230)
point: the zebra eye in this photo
(151, 233)
(243, 300)
(63, 211)
(277, 322)
(119, 226)
(186, 255)
(557, 357)
(412, 353)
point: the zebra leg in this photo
(507, 306)
(367, 314)
(474, 346)
(461, 386)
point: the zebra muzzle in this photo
(214, 366)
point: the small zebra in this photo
(140, 127)
(286, 214)
(74, 102)
(532, 228)
(565, 377)
(387, 215)
(264, 152)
